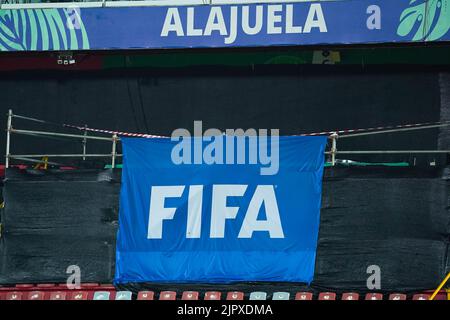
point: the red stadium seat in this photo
(190, 295)
(15, 295)
(79, 295)
(350, 296)
(35, 295)
(441, 295)
(421, 296)
(212, 295)
(85, 286)
(24, 286)
(105, 286)
(327, 296)
(58, 295)
(146, 295)
(235, 295)
(303, 296)
(167, 295)
(374, 296)
(89, 285)
(46, 285)
(397, 296)
(6, 288)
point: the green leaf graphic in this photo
(430, 19)
(409, 18)
(442, 25)
(41, 29)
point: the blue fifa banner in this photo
(233, 25)
(223, 216)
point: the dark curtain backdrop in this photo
(396, 218)
(292, 98)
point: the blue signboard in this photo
(239, 25)
(233, 214)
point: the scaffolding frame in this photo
(334, 137)
(114, 139)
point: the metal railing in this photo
(334, 137)
(114, 139)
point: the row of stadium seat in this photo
(189, 295)
(108, 292)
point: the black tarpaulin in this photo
(57, 219)
(294, 99)
(395, 218)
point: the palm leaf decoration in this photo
(425, 19)
(412, 17)
(441, 25)
(40, 29)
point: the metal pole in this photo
(29, 119)
(36, 161)
(56, 134)
(8, 137)
(113, 158)
(84, 141)
(334, 137)
(440, 286)
(388, 151)
(351, 135)
(93, 155)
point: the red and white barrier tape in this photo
(401, 126)
(118, 133)
(327, 133)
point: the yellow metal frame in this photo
(440, 287)
(43, 164)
